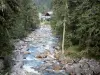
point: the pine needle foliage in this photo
(17, 18)
(82, 24)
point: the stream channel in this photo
(41, 47)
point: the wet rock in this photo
(40, 57)
(57, 54)
(30, 71)
(32, 74)
(51, 56)
(18, 72)
(43, 55)
(56, 47)
(48, 59)
(56, 66)
(26, 52)
(46, 66)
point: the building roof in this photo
(47, 14)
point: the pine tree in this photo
(13, 17)
(82, 24)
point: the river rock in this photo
(74, 67)
(56, 66)
(19, 72)
(83, 60)
(32, 73)
(78, 69)
(84, 67)
(69, 68)
(94, 65)
(26, 52)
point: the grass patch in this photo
(45, 22)
(77, 52)
(74, 52)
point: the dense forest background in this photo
(82, 19)
(17, 19)
(43, 5)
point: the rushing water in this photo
(40, 41)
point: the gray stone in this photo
(69, 68)
(77, 68)
(88, 72)
(83, 60)
(94, 65)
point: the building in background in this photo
(45, 16)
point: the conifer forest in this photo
(49, 37)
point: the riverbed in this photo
(41, 50)
(36, 55)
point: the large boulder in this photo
(83, 67)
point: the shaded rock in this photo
(18, 72)
(39, 57)
(57, 54)
(88, 72)
(69, 68)
(31, 72)
(1, 64)
(46, 66)
(56, 67)
(76, 60)
(94, 65)
(56, 47)
(78, 69)
(83, 60)
(83, 67)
